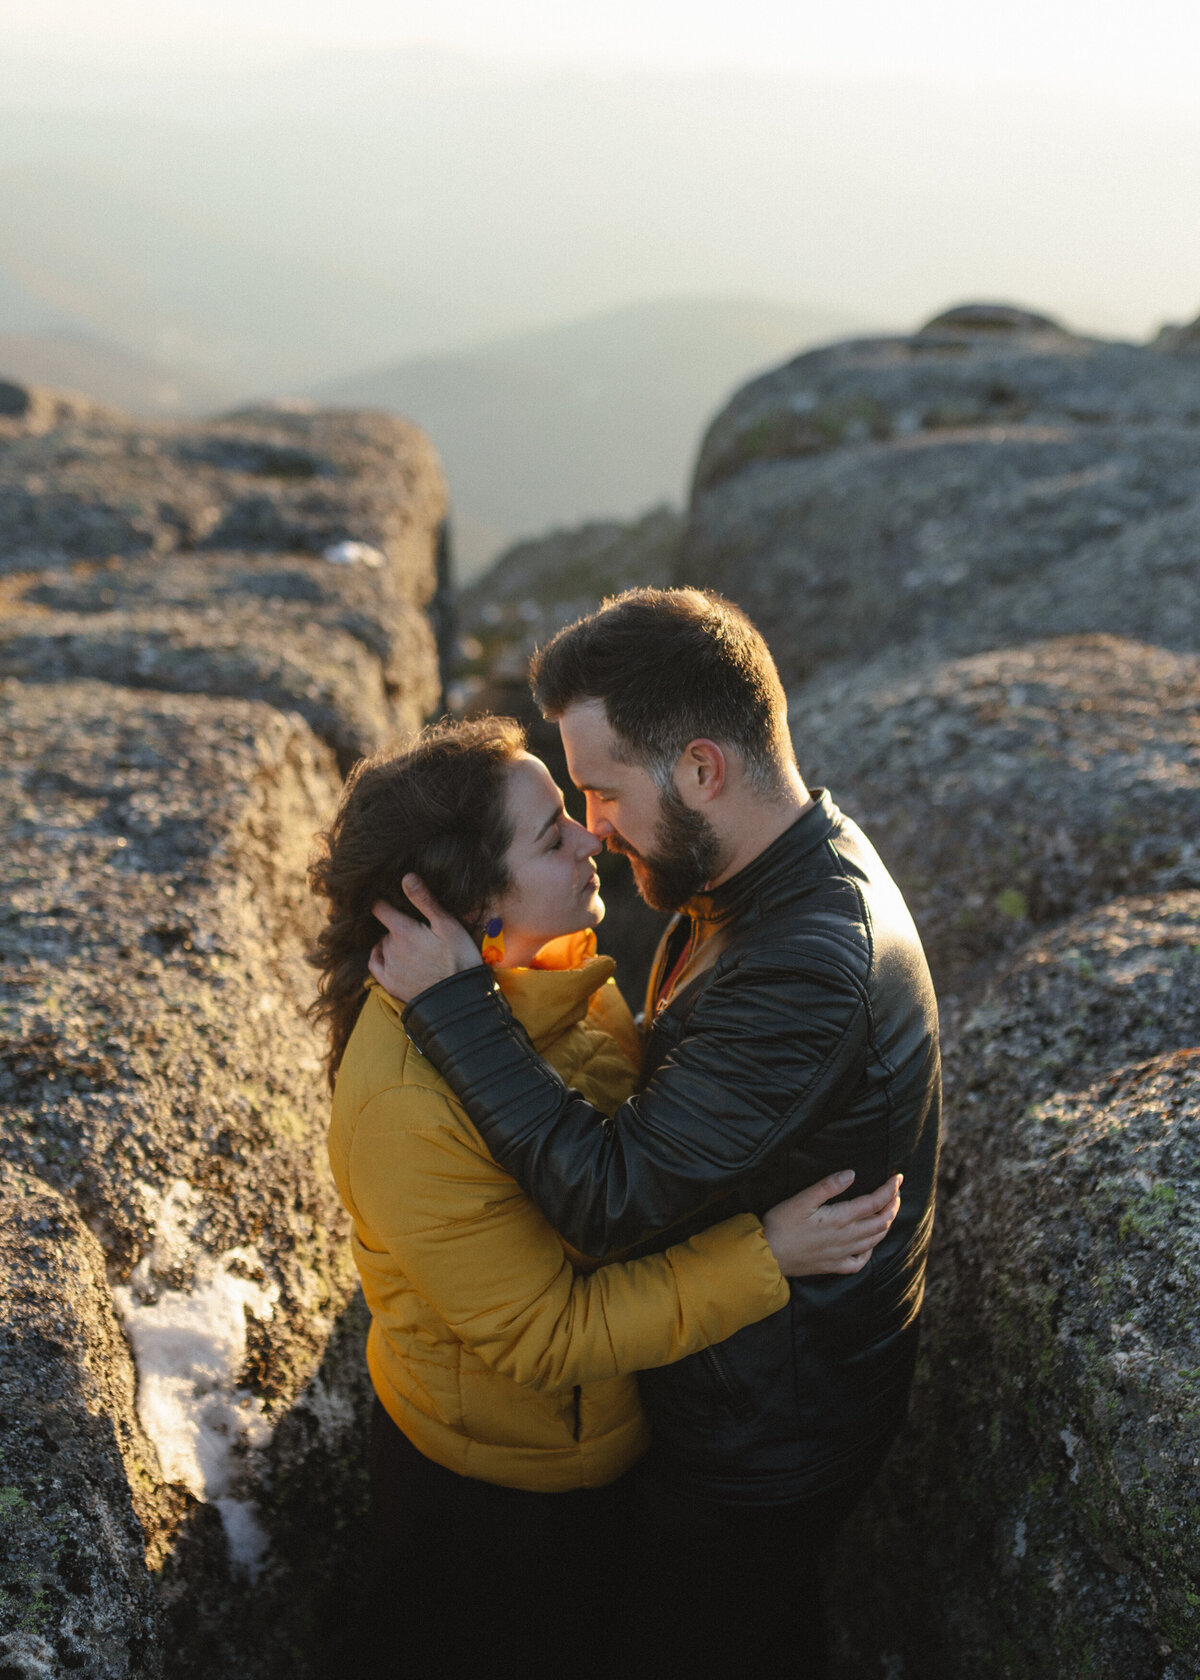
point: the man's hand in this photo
(807, 1238)
(411, 957)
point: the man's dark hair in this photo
(672, 666)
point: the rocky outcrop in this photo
(990, 478)
(31, 410)
(182, 1423)
(277, 554)
(76, 1589)
(1038, 1517)
(974, 552)
(1040, 807)
(1008, 790)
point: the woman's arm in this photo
(473, 1245)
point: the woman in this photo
(503, 1365)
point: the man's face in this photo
(672, 849)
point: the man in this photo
(791, 1029)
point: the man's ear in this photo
(700, 772)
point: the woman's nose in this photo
(587, 844)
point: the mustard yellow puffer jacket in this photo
(495, 1355)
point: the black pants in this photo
(717, 1590)
(467, 1578)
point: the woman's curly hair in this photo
(437, 809)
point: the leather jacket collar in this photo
(774, 866)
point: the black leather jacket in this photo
(801, 1039)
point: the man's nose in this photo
(599, 825)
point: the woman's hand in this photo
(808, 1238)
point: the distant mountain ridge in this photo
(68, 360)
(591, 418)
(276, 224)
(597, 417)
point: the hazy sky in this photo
(1149, 51)
(877, 159)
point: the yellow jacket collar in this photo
(553, 994)
(556, 991)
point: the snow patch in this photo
(189, 1346)
(334, 1413)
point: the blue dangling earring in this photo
(493, 943)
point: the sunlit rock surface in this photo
(990, 478)
(275, 555)
(1009, 789)
(182, 1419)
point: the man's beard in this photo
(686, 855)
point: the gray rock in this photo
(1179, 340)
(1039, 1515)
(31, 410)
(537, 587)
(583, 563)
(75, 1590)
(995, 318)
(15, 400)
(952, 490)
(270, 651)
(97, 484)
(183, 1446)
(348, 646)
(159, 1076)
(1010, 789)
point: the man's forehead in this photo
(588, 739)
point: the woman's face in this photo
(553, 887)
